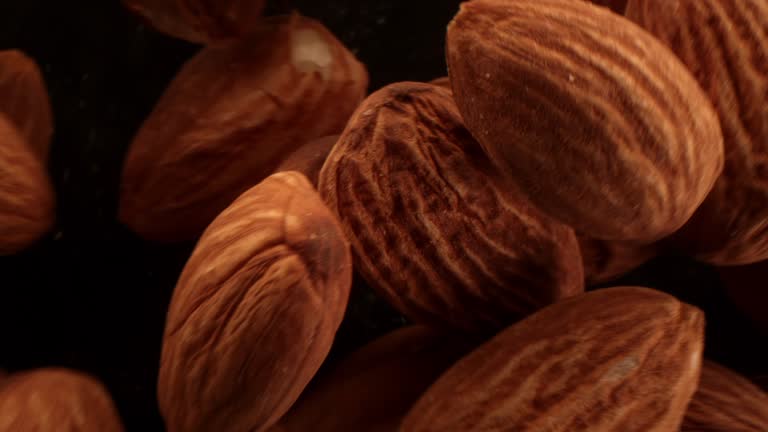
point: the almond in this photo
(433, 227)
(725, 45)
(618, 359)
(598, 122)
(726, 402)
(24, 101)
(375, 385)
(442, 82)
(26, 195)
(605, 260)
(309, 158)
(56, 399)
(228, 119)
(255, 310)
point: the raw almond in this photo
(618, 359)
(598, 122)
(309, 158)
(255, 310)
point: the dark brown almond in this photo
(309, 158)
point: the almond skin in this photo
(726, 402)
(725, 44)
(309, 158)
(228, 119)
(433, 227)
(599, 123)
(618, 359)
(255, 311)
(200, 21)
(24, 100)
(605, 260)
(56, 399)
(26, 195)
(377, 384)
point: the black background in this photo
(92, 296)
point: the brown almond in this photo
(618, 359)
(599, 123)
(433, 227)
(228, 119)
(725, 45)
(255, 310)
(309, 158)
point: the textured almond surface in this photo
(26, 196)
(228, 119)
(606, 260)
(745, 286)
(53, 400)
(725, 44)
(598, 122)
(200, 21)
(432, 226)
(255, 310)
(726, 402)
(442, 81)
(618, 359)
(373, 388)
(24, 100)
(309, 158)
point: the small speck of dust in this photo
(571, 78)
(487, 75)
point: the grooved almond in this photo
(255, 310)
(726, 402)
(229, 118)
(375, 385)
(618, 359)
(598, 122)
(56, 399)
(24, 101)
(433, 226)
(725, 45)
(26, 195)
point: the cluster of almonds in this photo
(569, 145)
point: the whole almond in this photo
(228, 119)
(309, 158)
(56, 399)
(598, 122)
(375, 385)
(24, 101)
(726, 402)
(201, 21)
(255, 310)
(725, 44)
(606, 260)
(433, 227)
(618, 359)
(26, 195)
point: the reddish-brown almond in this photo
(605, 260)
(433, 226)
(618, 359)
(55, 399)
(598, 122)
(375, 385)
(725, 44)
(442, 82)
(201, 21)
(26, 195)
(726, 402)
(309, 158)
(24, 100)
(228, 119)
(745, 286)
(255, 310)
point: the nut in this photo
(230, 116)
(433, 227)
(442, 82)
(605, 260)
(309, 158)
(618, 359)
(599, 123)
(201, 21)
(24, 100)
(55, 399)
(26, 195)
(376, 385)
(255, 310)
(726, 402)
(718, 41)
